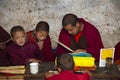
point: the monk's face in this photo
(72, 30)
(41, 35)
(19, 38)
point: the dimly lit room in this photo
(59, 39)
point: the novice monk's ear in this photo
(77, 24)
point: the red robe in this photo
(46, 51)
(4, 36)
(19, 55)
(117, 51)
(4, 59)
(69, 75)
(93, 39)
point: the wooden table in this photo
(43, 68)
(14, 77)
(106, 74)
(98, 74)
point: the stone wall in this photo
(104, 14)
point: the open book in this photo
(105, 53)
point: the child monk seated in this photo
(65, 65)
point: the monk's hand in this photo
(79, 50)
(49, 74)
(40, 44)
(86, 71)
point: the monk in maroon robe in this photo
(65, 66)
(4, 41)
(20, 55)
(41, 36)
(117, 53)
(79, 35)
(70, 75)
(20, 51)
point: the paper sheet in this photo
(104, 53)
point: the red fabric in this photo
(69, 75)
(30, 36)
(4, 61)
(19, 55)
(65, 39)
(117, 51)
(46, 51)
(77, 37)
(92, 36)
(84, 76)
(4, 35)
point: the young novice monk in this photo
(41, 36)
(21, 51)
(65, 66)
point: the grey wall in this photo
(104, 14)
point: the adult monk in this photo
(79, 35)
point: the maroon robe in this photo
(117, 51)
(69, 75)
(93, 39)
(4, 59)
(46, 51)
(4, 36)
(19, 55)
